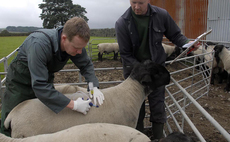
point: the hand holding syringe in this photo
(96, 94)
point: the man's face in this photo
(139, 7)
(73, 47)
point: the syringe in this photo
(91, 93)
(91, 88)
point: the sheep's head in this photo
(150, 75)
(218, 49)
(177, 51)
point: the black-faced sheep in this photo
(222, 55)
(108, 48)
(177, 137)
(94, 132)
(121, 106)
(172, 51)
(216, 70)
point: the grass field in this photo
(9, 44)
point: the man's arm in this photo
(125, 43)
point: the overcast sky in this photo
(101, 13)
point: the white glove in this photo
(97, 96)
(81, 105)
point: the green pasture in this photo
(9, 44)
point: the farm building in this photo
(187, 94)
(194, 17)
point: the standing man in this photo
(139, 33)
(44, 52)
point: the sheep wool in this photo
(171, 51)
(222, 54)
(108, 48)
(94, 132)
(121, 105)
(168, 49)
(66, 89)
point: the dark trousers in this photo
(157, 109)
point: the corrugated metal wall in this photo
(190, 15)
(197, 16)
(219, 20)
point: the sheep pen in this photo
(216, 103)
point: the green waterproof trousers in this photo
(18, 89)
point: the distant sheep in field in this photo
(108, 48)
(121, 106)
(93, 132)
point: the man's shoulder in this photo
(156, 9)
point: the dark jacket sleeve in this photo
(38, 56)
(125, 43)
(173, 32)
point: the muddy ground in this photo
(217, 103)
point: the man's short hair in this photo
(76, 26)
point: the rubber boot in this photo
(157, 131)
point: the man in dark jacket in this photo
(44, 52)
(139, 34)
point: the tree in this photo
(56, 12)
(5, 33)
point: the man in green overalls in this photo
(44, 52)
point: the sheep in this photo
(66, 89)
(206, 58)
(171, 51)
(108, 48)
(98, 132)
(121, 105)
(177, 137)
(222, 55)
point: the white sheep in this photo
(208, 65)
(66, 89)
(171, 51)
(108, 48)
(121, 105)
(94, 132)
(222, 55)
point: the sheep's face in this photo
(150, 75)
(218, 49)
(175, 53)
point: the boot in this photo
(157, 131)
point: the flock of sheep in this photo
(220, 65)
(33, 121)
(106, 48)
